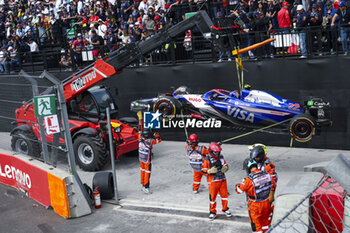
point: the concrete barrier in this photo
(47, 185)
(296, 190)
(346, 219)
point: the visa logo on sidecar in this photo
(240, 114)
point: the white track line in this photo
(148, 204)
(184, 217)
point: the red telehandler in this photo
(86, 102)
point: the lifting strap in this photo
(186, 134)
(254, 131)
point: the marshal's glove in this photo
(236, 186)
(212, 170)
(224, 168)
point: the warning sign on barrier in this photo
(51, 124)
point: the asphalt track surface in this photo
(172, 207)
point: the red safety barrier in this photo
(36, 183)
(328, 207)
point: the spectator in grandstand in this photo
(142, 15)
(151, 12)
(11, 59)
(92, 28)
(93, 17)
(244, 19)
(188, 41)
(344, 14)
(234, 4)
(66, 61)
(302, 21)
(158, 23)
(283, 18)
(135, 33)
(56, 30)
(293, 11)
(33, 46)
(190, 6)
(261, 8)
(20, 31)
(148, 24)
(160, 12)
(101, 29)
(130, 21)
(331, 33)
(315, 27)
(174, 10)
(262, 25)
(2, 29)
(97, 41)
(271, 11)
(143, 5)
(213, 7)
(124, 36)
(3, 58)
(78, 46)
(111, 40)
(63, 15)
(125, 9)
(222, 22)
(8, 30)
(134, 13)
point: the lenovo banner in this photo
(29, 179)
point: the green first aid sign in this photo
(45, 105)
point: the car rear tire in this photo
(25, 142)
(90, 152)
(302, 128)
(104, 181)
(168, 106)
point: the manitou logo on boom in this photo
(81, 82)
(240, 114)
(21, 177)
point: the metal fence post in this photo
(45, 60)
(40, 119)
(66, 129)
(111, 151)
(172, 52)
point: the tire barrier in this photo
(104, 180)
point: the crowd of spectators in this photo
(78, 24)
(316, 23)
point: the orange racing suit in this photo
(145, 158)
(216, 182)
(257, 186)
(196, 155)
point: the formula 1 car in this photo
(252, 109)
